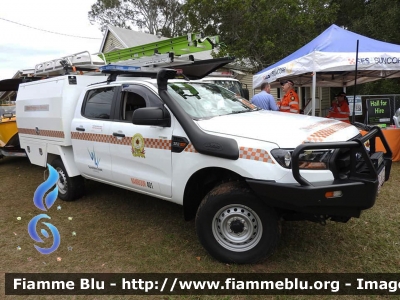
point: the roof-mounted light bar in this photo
(118, 68)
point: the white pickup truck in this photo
(237, 169)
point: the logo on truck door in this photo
(138, 145)
(95, 159)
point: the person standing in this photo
(290, 101)
(264, 99)
(340, 109)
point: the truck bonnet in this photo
(283, 129)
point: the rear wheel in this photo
(235, 226)
(69, 188)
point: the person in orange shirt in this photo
(289, 102)
(340, 109)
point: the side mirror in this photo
(151, 116)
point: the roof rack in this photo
(115, 71)
(158, 61)
(187, 69)
(81, 61)
(145, 66)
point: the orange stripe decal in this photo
(319, 124)
(255, 154)
(42, 132)
(157, 144)
(190, 148)
(321, 135)
(127, 141)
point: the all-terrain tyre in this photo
(69, 188)
(235, 226)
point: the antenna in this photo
(353, 117)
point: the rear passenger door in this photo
(90, 132)
(141, 154)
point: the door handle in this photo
(118, 134)
(80, 129)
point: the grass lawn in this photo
(121, 231)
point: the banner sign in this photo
(169, 284)
(358, 107)
(378, 110)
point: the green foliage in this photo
(259, 32)
(164, 16)
(110, 12)
(385, 86)
(262, 32)
(377, 19)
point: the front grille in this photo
(352, 159)
(355, 162)
(341, 164)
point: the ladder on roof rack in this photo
(164, 53)
(81, 61)
(186, 44)
(76, 63)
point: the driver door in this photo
(141, 154)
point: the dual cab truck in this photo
(236, 169)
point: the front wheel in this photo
(235, 226)
(69, 188)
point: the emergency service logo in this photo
(138, 146)
(278, 71)
(289, 68)
(374, 60)
(95, 159)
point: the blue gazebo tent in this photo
(329, 60)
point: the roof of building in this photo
(129, 38)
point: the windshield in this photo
(5, 109)
(207, 100)
(233, 86)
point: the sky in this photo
(22, 47)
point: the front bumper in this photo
(355, 176)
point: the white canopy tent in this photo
(329, 60)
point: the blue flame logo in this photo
(49, 200)
(32, 232)
(93, 157)
(43, 188)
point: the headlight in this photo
(308, 159)
(283, 157)
(315, 159)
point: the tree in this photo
(261, 32)
(377, 19)
(164, 16)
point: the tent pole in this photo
(314, 85)
(300, 97)
(353, 117)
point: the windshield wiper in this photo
(189, 95)
(238, 112)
